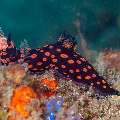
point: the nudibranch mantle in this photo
(62, 57)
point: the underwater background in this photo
(39, 21)
(59, 84)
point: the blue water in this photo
(39, 21)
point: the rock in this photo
(15, 73)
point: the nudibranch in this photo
(62, 58)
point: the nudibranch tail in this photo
(102, 86)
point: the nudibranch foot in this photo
(108, 93)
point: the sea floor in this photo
(48, 97)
